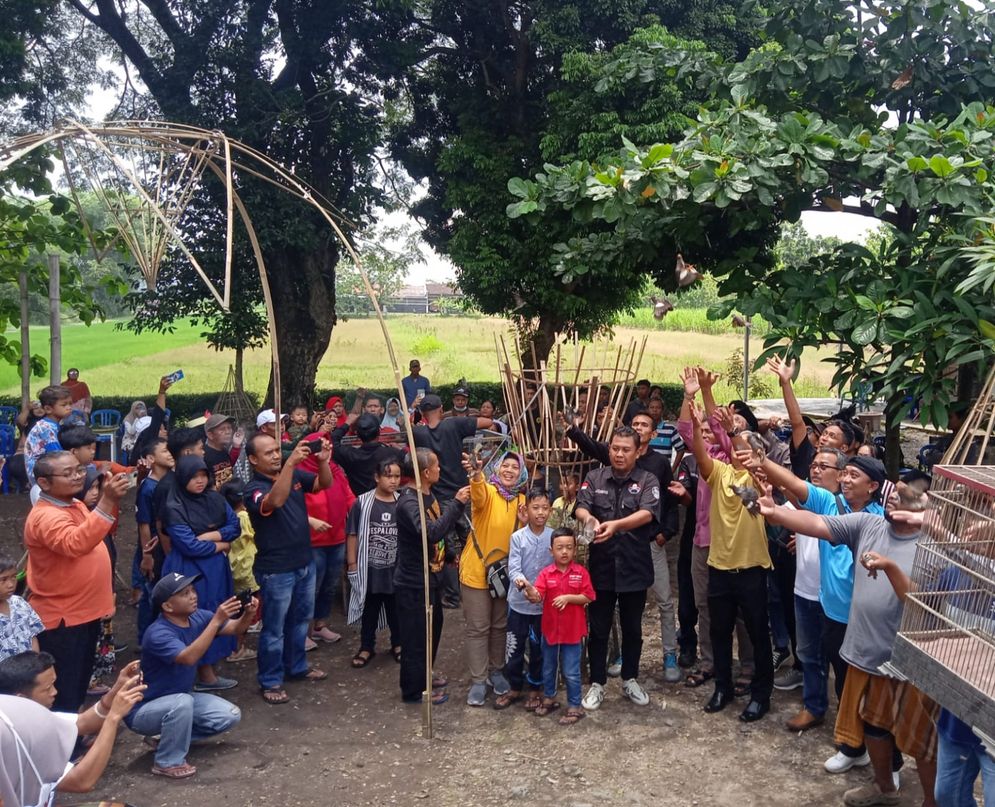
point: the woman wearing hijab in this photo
(335, 406)
(392, 416)
(201, 526)
(137, 412)
(494, 504)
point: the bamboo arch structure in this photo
(161, 164)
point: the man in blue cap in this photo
(171, 649)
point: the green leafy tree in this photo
(295, 79)
(500, 88)
(803, 123)
(387, 254)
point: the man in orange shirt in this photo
(69, 569)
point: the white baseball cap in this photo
(266, 416)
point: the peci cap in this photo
(430, 403)
(170, 585)
(216, 420)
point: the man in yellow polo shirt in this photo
(737, 580)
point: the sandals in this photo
(439, 681)
(396, 653)
(506, 700)
(741, 687)
(439, 697)
(547, 708)
(182, 771)
(359, 660)
(273, 696)
(572, 716)
(697, 678)
(312, 674)
(534, 702)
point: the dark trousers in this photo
(73, 650)
(833, 633)
(630, 619)
(371, 616)
(742, 592)
(687, 612)
(410, 603)
(524, 634)
(782, 576)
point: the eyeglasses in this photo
(79, 470)
(824, 467)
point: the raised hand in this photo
(706, 378)
(689, 378)
(766, 501)
(785, 371)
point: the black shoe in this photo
(687, 659)
(754, 711)
(781, 655)
(718, 701)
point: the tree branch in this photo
(167, 22)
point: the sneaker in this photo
(671, 672)
(868, 796)
(310, 644)
(840, 762)
(896, 780)
(245, 654)
(477, 695)
(592, 700)
(789, 679)
(781, 655)
(218, 685)
(635, 693)
(615, 668)
(325, 634)
(499, 683)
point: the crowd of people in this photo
(760, 542)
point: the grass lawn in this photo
(116, 362)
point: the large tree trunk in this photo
(303, 289)
(893, 410)
(538, 343)
(239, 370)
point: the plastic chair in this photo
(105, 423)
(8, 445)
(8, 415)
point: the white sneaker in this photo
(635, 693)
(840, 762)
(897, 780)
(615, 668)
(592, 700)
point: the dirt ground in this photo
(349, 740)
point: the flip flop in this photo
(359, 660)
(181, 771)
(696, 679)
(275, 696)
(506, 700)
(439, 682)
(547, 708)
(312, 674)
(439, 697)
(741, 687)
(572, 716)
(534, 702)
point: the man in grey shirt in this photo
(876, 709)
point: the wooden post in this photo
(55, 322)
(22, 282)
(746, 359)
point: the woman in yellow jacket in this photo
(495, 503)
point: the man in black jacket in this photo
(624, 502)
(360, 462)
(667, 519)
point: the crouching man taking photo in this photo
(172, 647)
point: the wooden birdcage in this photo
(946, 643)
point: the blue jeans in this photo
(957, 768)
(524, 634)
(180, 719)
(568, 655)
(815, 666)
(288, 602)
(328, 574)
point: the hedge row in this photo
(185, 406)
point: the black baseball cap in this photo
(430, 402)
(171, 584)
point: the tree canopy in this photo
(878, 108)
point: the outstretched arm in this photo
(701, 455)
(785, 371)
(795, 520)
(707, 380)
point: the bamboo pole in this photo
(54, 321)
(22, 284)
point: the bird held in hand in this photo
(661, 307)
(756, 444)
(749, 496)
(685, 272)
(912, 495)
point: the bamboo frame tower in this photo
(145, 174)
(978, 430)
(573, 382)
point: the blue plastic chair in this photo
(105, 422)
(8, 445)
(8, 415)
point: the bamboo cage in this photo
(576, 381)
(946, 643)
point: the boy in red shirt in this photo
(564, 588)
